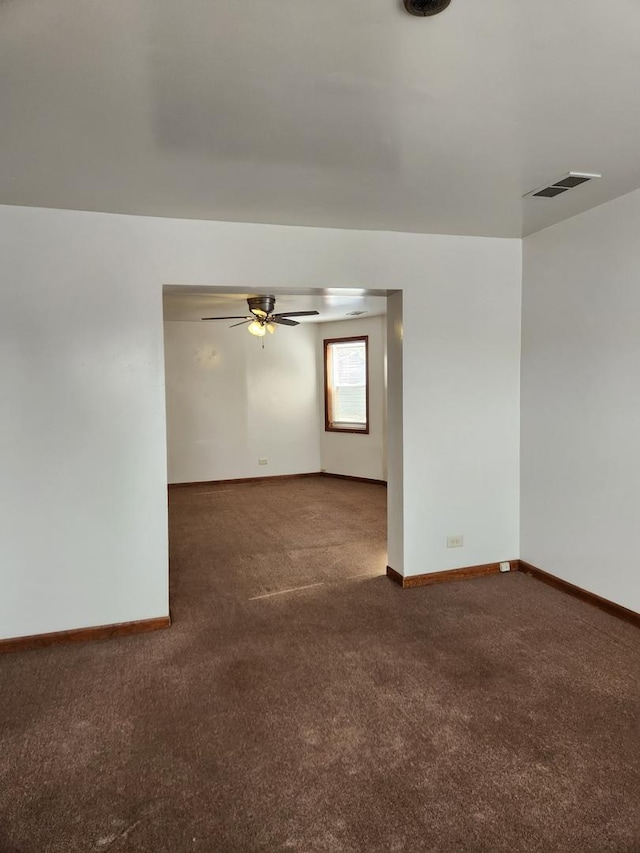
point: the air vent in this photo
(562, 185)
(424, 8)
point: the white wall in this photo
(230, 402)
(348, 453)
(461, 365)
(83, 533)
(395, 433)
(581, 400)
(83, 527)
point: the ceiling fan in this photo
(262, 319)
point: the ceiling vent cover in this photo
(562, 185)
(423, 8)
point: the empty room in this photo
(276, 443)
(331, 582)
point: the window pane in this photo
(350, 404)
(349, 364)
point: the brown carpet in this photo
(349, 717)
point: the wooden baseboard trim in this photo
(396, 577)
(81, 635)
(240, 480)
(354, 479)
(577, 592)
(517, 566)
(271, 479)
(466, 573)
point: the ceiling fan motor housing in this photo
(262, 303)
(424, 8)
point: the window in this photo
(346, 385)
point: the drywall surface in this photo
(83, 501)
(461, 399)
(231, 402)
(581, 400)
(394, 431)
(348, 453)
(83, 524)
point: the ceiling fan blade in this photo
(296, 314)
(239, 317)
(283, 321)
(233, 325)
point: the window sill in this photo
(351, 428)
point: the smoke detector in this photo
(424, 8)
(562, 185)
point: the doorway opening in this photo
(265, 496)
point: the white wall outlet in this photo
(505, 567)
(262, 461)
(455, 541)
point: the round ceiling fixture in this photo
(424, 8)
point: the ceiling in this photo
(342, 113)
(192, 304)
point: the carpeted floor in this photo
(493, 715)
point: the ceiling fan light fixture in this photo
(262, 318)
(256, 329)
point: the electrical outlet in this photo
(262, 462)
(455, 541)
(505, 567)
